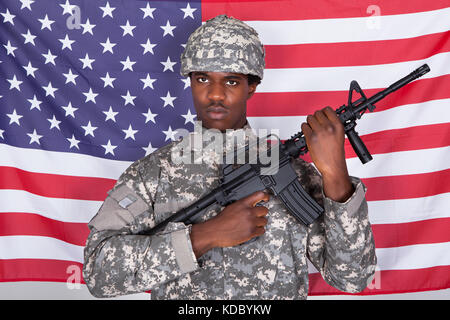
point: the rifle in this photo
(238, 183)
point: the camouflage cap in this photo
(224, 44)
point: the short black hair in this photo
(253, 79)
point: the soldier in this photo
(213, 258)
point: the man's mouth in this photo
(217, 112)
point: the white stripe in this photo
(409, 210)
(63, 163)
(409, 257)
(352, 29)
(401, 163)
(35, 247)
(410, 115)
(339, 78)
(66, 210)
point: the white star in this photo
(49, 58)
(46, 23)
(108, 80)
(129, 98)
(10, 49)
(67, 43)
(29, 38)
(73, 142)
(149, 149)
(149, 116)
(129, 133)
(26, 3)
(89, 129)
(188, 11)
(49, 90)
(15, 84)
(127, 64)
(148, 82)
(1, 134)
(8, 17)
(54, 123)
(168, 65)
(168, 29)
(70, 111)
(187, 82)
(109, 148)
(34, 137)
(170, 134)
(87, 63)
(30, 69)
(107, 46)
(87, 27)
(110, 114)
(127, 29)
(148, 47)
(107, 10)
(70, 77)
(90, 96)
(148, 12)
(35, 103)
(14, 117)
(168, 100)
(67, 7)
(189, 117)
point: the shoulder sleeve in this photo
(117, 260)
(340, 243)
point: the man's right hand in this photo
(236, 224)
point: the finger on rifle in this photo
(321, 118)
(306, 129)
(257, 197)
(260, 211)
(313, 122)
(331, 114)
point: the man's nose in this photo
(216, 92)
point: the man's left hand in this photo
(324, 134)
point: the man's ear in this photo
(251, 89)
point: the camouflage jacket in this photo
(119, 261)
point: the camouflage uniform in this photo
(118, 261)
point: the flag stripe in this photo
(56, 186)
(66, 210)
(352, 30)
(356, 53)
(18, 223)
(339, 78)
(304, 103)
(39, 270)
(411, 233)
(392, 281)
(407, 186)
(319, 9)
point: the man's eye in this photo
(232, 82)
(202, 80)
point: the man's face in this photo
(220, 99)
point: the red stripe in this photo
(410, 233)
(318, 9)
(391, 281)
(55, 186)
(279, 104)
(18, 223)
(356, 53)
(41, 270)
(407, 186)
(412, 138)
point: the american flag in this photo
(88, 87)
